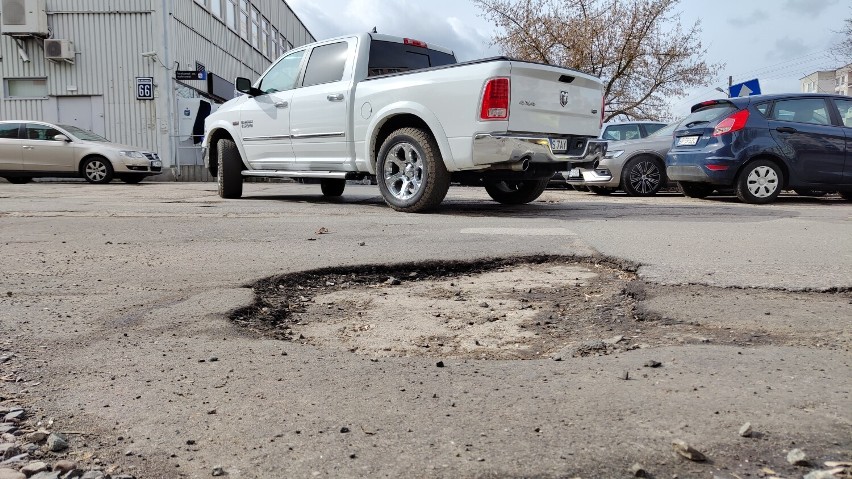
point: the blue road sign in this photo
(746, 88)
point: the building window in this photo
(255, 27)
(26, 88)
(264, 37)
(216, 8)
(231, 14)
(274, 51)
(244, 19)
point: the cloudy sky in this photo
(776, 41)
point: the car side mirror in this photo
(62, 138)
(243, 85)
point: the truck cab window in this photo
(283, 75)
(326, 64)
(392, 57)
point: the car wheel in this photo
(515, 192)
(230, 177)
(642, 176)
(410, 171)
(695, 190)
(19, 180)
(97, 170)
(332, 186)
(812, 193)
(601, 190)
(759, 182)
(132, 180)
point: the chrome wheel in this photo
(404, 171)
(762, 182)
(96, 171)
(645, 177)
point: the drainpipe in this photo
(168, 70)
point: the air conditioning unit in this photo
(24, 18)
(59, 50)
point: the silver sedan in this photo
(635, 166)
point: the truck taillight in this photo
(414, 43)
(495, 100)
(733, 123)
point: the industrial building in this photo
(139, 72)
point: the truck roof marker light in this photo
(732, 123)
(414, 43)
(495, 100)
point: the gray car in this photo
(33, 149)
(635, 166)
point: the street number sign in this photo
(144, 88)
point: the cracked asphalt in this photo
(115, 299)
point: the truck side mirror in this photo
(244, 86)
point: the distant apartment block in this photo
(828, 81)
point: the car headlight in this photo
(614, 153)
(131, 154)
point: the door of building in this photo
(81, 111)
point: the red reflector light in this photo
(495, 100)
(717, 167)
(735, 122)
(414, 43)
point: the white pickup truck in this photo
(407, 114)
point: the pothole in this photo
(528, 308)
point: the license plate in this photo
(558, 144)
(157, 164)
(575, 173)
(687, 140)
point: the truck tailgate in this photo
(550, 99)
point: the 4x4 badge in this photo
(563, 98)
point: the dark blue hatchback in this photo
(761, 145)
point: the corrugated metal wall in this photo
(109, 37)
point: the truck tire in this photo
(410, 171)
(332, 186)
(516, 192)
(230, 178)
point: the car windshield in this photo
(665, 131)
(83, 134)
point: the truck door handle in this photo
(281, 104)
(786, 129)
(338, 97)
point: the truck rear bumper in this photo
(491, 149)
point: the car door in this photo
(41, 152)
(815, 148)
(845, 109)
(318, 117)
(265, 119)
(11, 150)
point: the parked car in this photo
(760, 145)
(629, 130)
(620, 131)
(33, 149)
(635, 166)
(406, 112)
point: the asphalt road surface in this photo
(115, 303)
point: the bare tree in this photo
(843, 50)
(638, 47)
